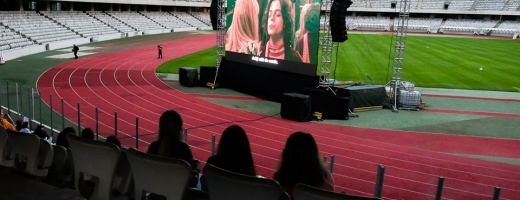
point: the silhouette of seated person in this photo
(234, 152)
(88, 133)
(302, 163)
(170, 143)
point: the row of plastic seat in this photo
(9, 37)
(41, 41)
(12, 41)
(49, 33)
(170, 177)
(25, 152)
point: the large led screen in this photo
(277, 34)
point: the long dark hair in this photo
(288, 24)
(234, 150)
(170, 128)
(301, 162)
(62, 137)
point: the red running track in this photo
(125, 82)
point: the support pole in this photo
(331, 164)
(185, 132)
(115, 124)
(62, 115)
(221, 37)
(496, 194)
(379, 181)
(400, 40)
(17, 98)
(29, 103)
(52, 128)
(79, 119)
(326, 47)
(213, 145)
(97, 124)
(40, 106)
(137, 132)
(8, 105)
(1, 94)
(440, 185)
(32, 104)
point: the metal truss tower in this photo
(402, 29)
(326, 46)
(221, 37)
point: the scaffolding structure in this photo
(221, 37)
(401, 31)
(326, 45)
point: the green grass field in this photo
(437, 62)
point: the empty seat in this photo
(6, 159)
(305, 192)
(159, 175)
(226, 185)
(32, 154)
(94, 166)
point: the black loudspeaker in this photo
(296, 107)
(188, 76)
(338, 25)
(330, 105)
(207, 74)
(213, 14)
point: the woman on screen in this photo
(278, 23)
(242, 34)
(307, 43)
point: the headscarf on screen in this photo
(242, 35)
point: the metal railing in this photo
(26, 102)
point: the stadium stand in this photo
(80, 23)
(10, 40)
(423, 24)
(36, 27)
(359, 4)
(514, 5)
(368, 22)
(461, 4)
(432, 4)
(204, 18)
(468, 25)
(189, 19)
(167, 20)
(136, 20)
(111, 21)
(380, 4)
(490, 4)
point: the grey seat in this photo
(305, 192)
(32, 155)
(6, 158)
(94, 167)
(226, 185)
(55, 175)
(159, 175)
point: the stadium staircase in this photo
(496, 26)
(147, 17)
(120, 21)
(474, 5)
(507, 5)
(180, 18)
(59, 23)
(391, 27)
(419, 4)
(106, 23)
(442, 24)
(369, 5)
(189, 13)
